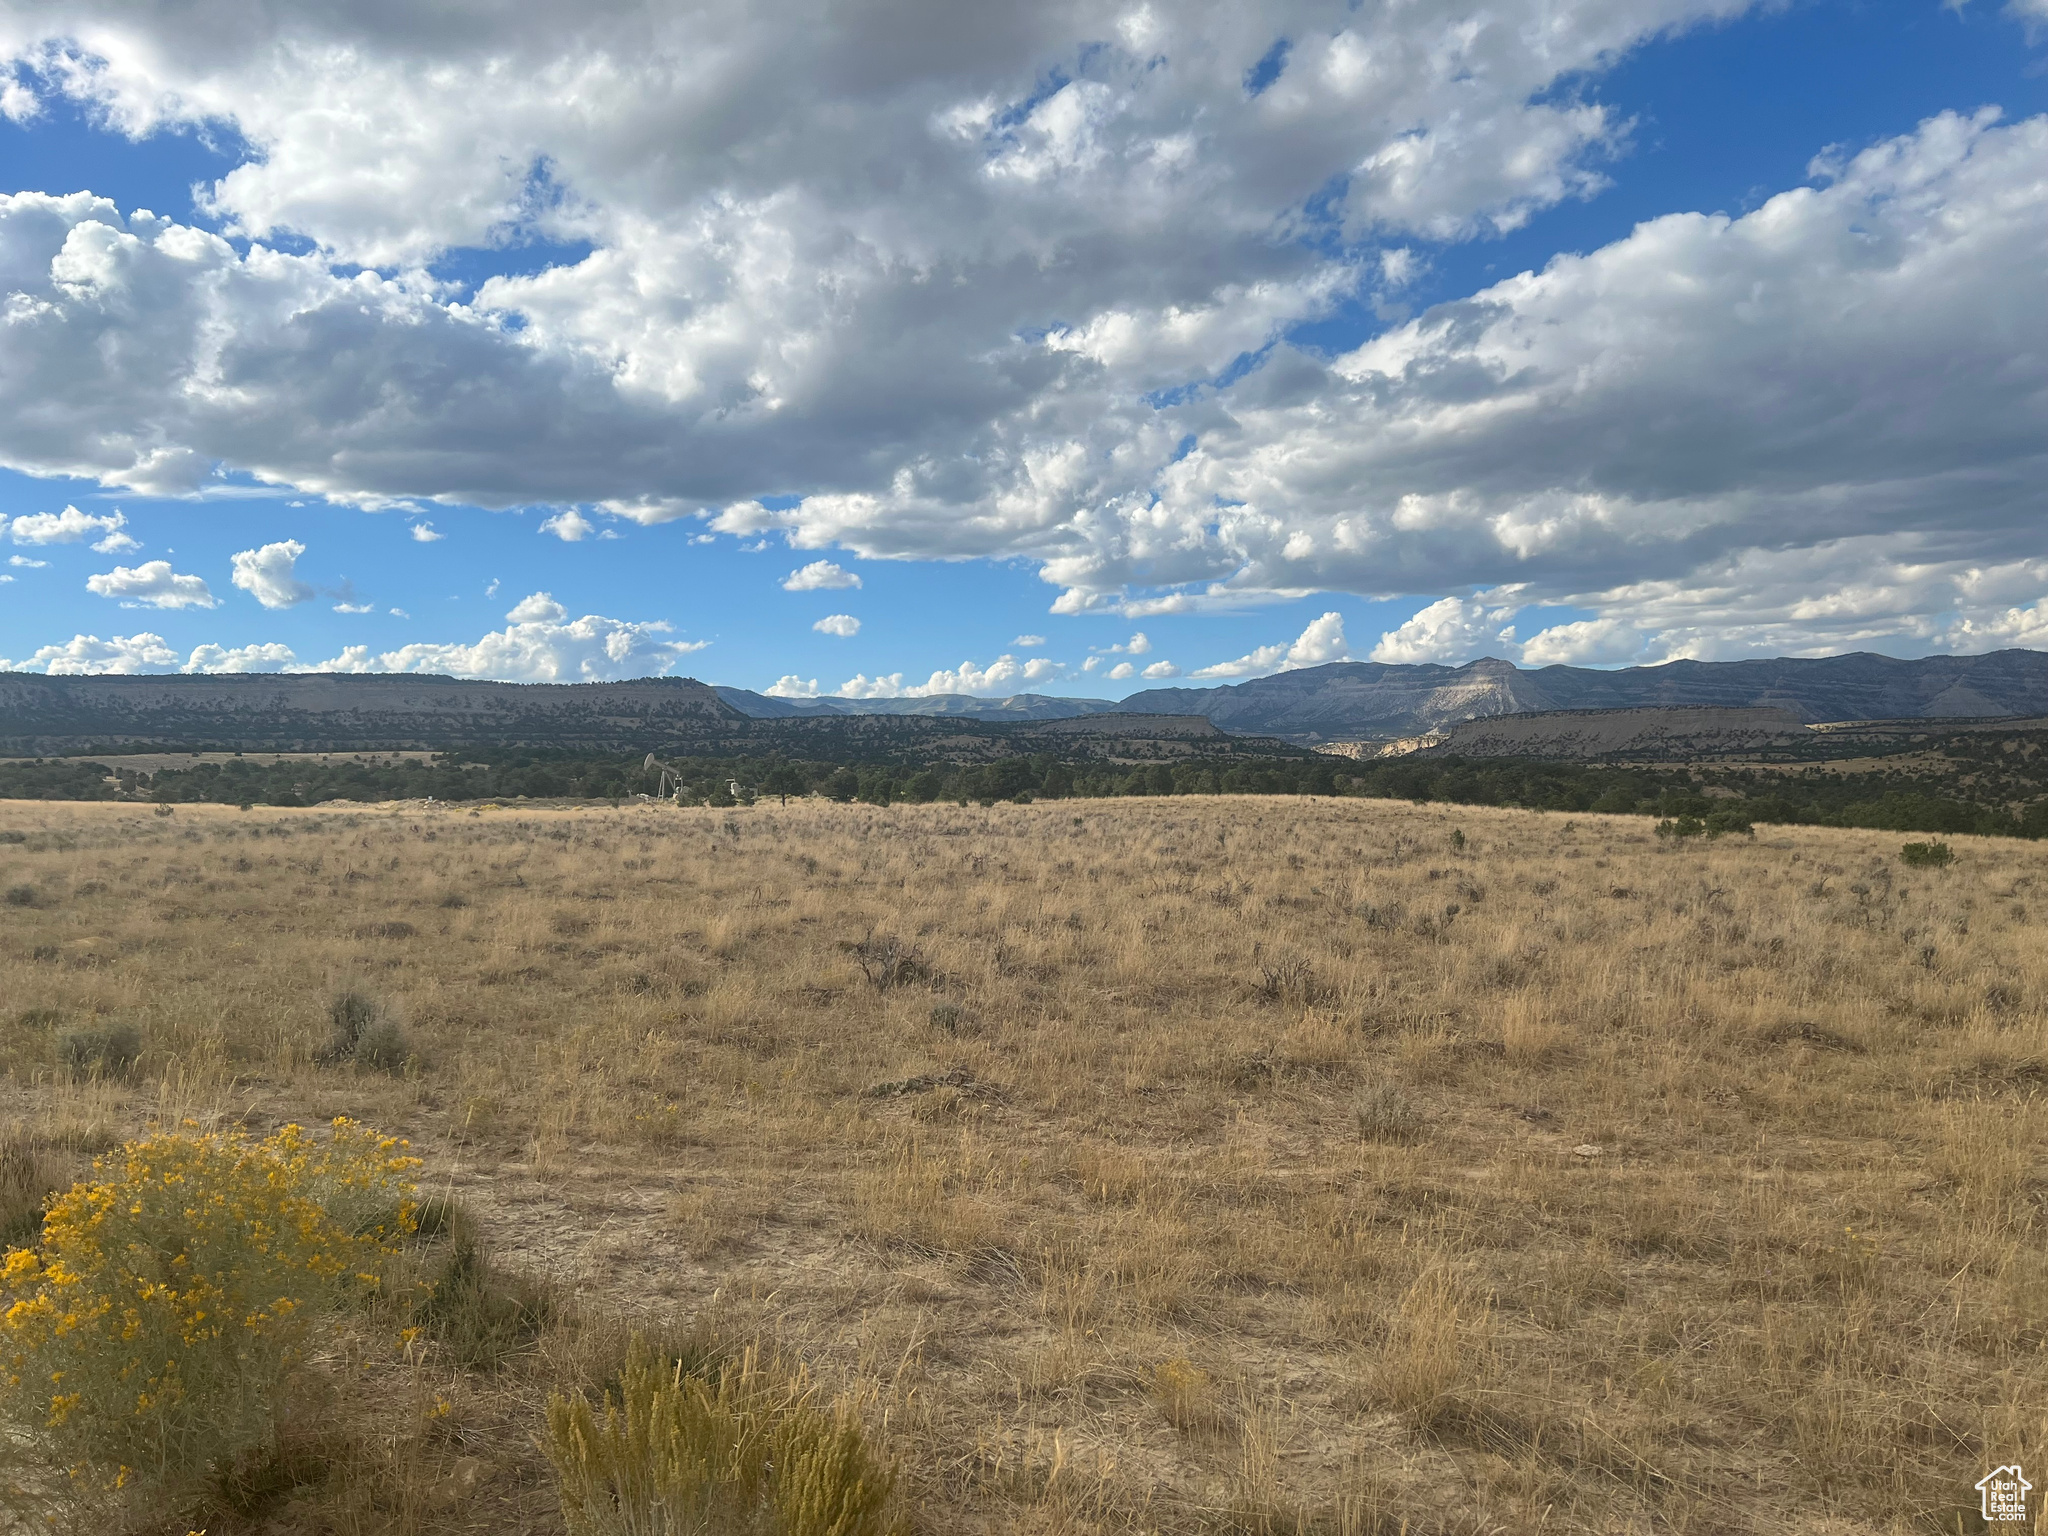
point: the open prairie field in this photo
(1182, 1165)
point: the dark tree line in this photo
(2013, 803)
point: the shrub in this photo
(385, 1048)
(21, 895)
(392, 930)
(1186, 1395)
(106, 1052)
(675, 1453)
(152, 1339)
(887, 961)
(1290, 979)
(365, 1035)
(1721, 823)
(1681, 827)
(1927, 855)
(351, 1014)
(1385, 1114)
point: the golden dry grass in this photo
(1213, 1164)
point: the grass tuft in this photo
(672, 1452)
(30, 1173)
(1384, 1112)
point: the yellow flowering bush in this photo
(146, 1345)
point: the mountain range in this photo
(1340, 702)
(324, 712)
(1373, 701)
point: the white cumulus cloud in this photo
(90, 656)
(861, 686)
(1137, 645)
(18, 104)
(980, 298)
(765, 197)
(844, 625)
(152, 585)
(819, 576)
(1321, 641)
(570, 526)
(66, 527)
(1588, 642)
(269, 575)
(790, 686)
(1453, 629)
(240, 658)
(1005, 675)
(540, 643)
(423, 532)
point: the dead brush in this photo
(887, 961)
(1289, 979)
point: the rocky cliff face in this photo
(1347, 701)
(52, 715)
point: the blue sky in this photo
(1087, 361)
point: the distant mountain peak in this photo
(1384, 701)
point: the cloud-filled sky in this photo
(891, 347)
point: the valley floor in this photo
(1177, 1165)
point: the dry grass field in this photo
(1176, 1165)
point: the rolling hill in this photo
(1352, 700)
(1341, 702)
